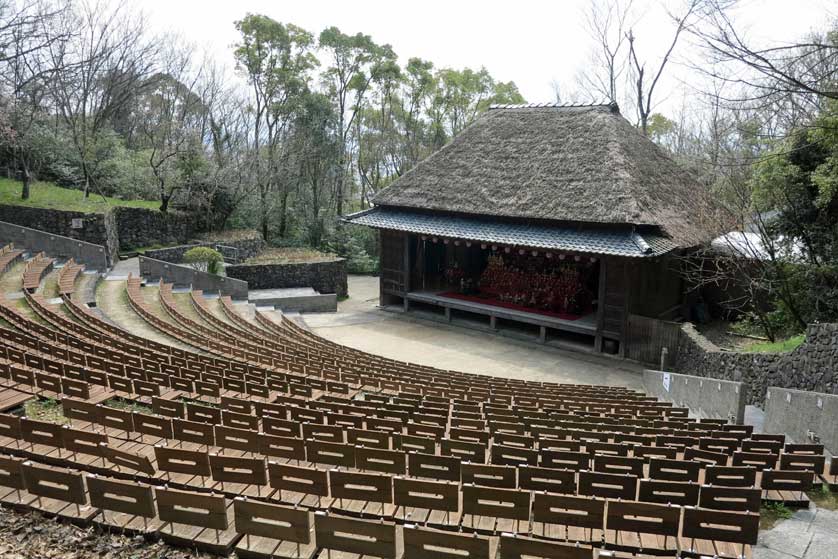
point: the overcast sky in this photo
(531, 43)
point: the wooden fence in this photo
(647, 337)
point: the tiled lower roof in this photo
(589, 240)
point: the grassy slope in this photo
(779, 346)
(48, 195)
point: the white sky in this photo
(529, 42)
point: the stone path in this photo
(809, 534)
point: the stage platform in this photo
(585, 325)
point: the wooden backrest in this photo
(237, 439)
(308, 481)
(668, 492)
(647, 518)
(10, 426)
(129, 497)
(329, 433)
(282, 427)
(513, 456)
(282, 447)
(547, 479)
(584, 512)
(129, 460)
(237, 469)
(153, 425)
(381, 460)
(706, 457)
(194, 509)
(759, 460)
(565, 459)
(84, 441)
(54, 483)
(492, 501)
(730, 476)
(674, 470)
(421, 543)
(730, 498)
(376, 488)
(619, 465)
(193, 432)
(609, 486)
(517, 547)
(272, 521)
(806, 462)
(412, 443)
(41, 432)
(116, 419)
(720, 526)
(787, 480)
(368, 438)
(79, 409)
(335, 454)
(352, 535)
(432, 495)
(464, 450)
(11, 472)
(182, 461)
(446, 468)
(489, 475)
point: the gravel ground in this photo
(33, 536)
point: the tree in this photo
(170, 115)
(25, 33)
(99, 72)
(355, 61)
(277, 59)
(645, 85)
(606, 22)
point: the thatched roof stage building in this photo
(543, 181)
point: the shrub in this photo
(204, 259)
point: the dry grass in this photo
(12, 280)
(230, 235)
(290, 255)
(47, 409)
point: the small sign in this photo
(820, 403)
(77, 223)
(788, 397)
(666, 380)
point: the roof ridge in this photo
(612, 105)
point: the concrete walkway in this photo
(122, 268)
(360, 324)
(809, 534)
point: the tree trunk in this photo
(164, 203)
(27, 181)
(283, 215)
(86, 179)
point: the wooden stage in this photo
(584, 325)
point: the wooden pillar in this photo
(600, 310)
(624, 335)
(542, 334)
(406, 270)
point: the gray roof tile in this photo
(590, 239)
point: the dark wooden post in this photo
(406, 271)
(600, 310)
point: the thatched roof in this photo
(559, 163)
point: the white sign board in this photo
(666, 379)
(77, 223)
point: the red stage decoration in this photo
(552, 288)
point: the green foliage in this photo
(204, 259)
(48, 195)
(357, 245)
(46, 409)
(780, 346)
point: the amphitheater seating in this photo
(270, 441)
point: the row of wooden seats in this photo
(8, 257)
(67, 276)
(602, 481)
(35, 270)
(174, 514)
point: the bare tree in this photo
(101, 70)
(606, 22)
(644, 84)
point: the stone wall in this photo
(324, 277)
(118, 229)
(812, 366)
(90, 227)
(139, 227)
(93, 256)
(233, 250)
